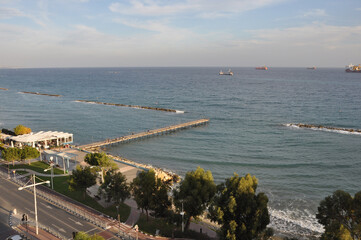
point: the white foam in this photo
(324, 129)
(295, 222)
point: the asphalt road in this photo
(48, 214)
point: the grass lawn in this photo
(37, 167)
(61, 186)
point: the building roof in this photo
(40, 136)
(60, 154)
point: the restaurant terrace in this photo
(41, 139)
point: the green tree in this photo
(20, 130)
(11, 154)
(115, 187)
(143, 187)
(161, 202)
(102, 161)
(341, 216)
(85, 236)
(81, 179)
(241, 213)
(195, 193)
(29, 153)
(99, 159)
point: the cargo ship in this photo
(312, 68)
(262, 68)
(226, 73)
(353, 68)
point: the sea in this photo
(247, 132)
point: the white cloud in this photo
(201, 7)
(311, 39)
(6, 13)
(315, 13)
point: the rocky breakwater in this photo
(131, 106)
(5, 89)
(43, 94)
(164, 175)
(321, 127)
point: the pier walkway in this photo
(149, 133)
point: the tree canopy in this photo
(14, 154)
(241, 213)
(195, 193)
(340, 213)
(81, 179)
(99, 159)
(85, 236)
(115, 187)
(151, 193)
(20, 130)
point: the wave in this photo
(295, 222)
(325, 128)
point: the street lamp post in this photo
(182, 213)
(35, 205)
(52, 171)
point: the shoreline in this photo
(164, 175)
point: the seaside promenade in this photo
(141, 135)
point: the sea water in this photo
(247, 133)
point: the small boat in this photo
(312, 68)
(262, 68)
(230, 73)
(353, 68)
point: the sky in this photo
(167, 33)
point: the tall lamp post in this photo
(182, 213)
(35, 205)
(52, 171)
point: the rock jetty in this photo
(131, 106)
(164, 175)
(5, 89)
(43, 94)
(321, 127)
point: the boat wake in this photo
(325, 128)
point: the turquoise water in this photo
(247, 134)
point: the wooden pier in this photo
(149, 133)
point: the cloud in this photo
(6, 13)
(201, 7)
(315, 13)
(315, 35)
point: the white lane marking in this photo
(46, 205)
(76, 222)
(30, 211)
(60, 229)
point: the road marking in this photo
(30, 211)
(60, 229)
(76, 222)
(46, 205)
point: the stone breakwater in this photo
(321, 127)
(43, 94)
(131, 106)
(164, 175)
(5, 89)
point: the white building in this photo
(41, 139)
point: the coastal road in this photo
(48, 214)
